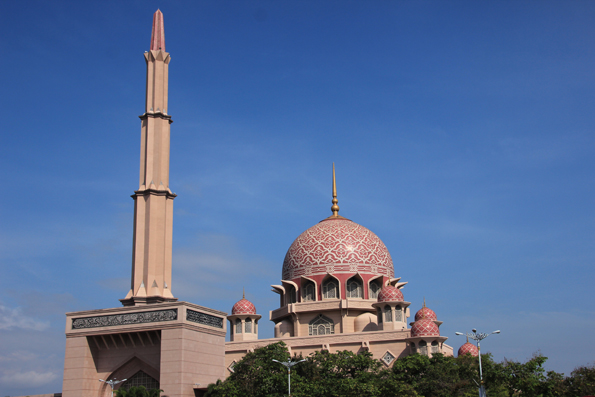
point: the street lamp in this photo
(478, 337)
(289, 364)
(112, 383)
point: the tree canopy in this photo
(138, 391)
(346, 374)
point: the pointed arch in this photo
(374, 287)
(321, 325)
(309, 290)
(291, 290)
(128, 370)
(331, 287)
(354, 287)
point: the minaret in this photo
(153, 201)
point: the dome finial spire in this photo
(335, 207)
(243, 293)
(424, 301)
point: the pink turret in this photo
(158, 35)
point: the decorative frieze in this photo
(205, 319)
(125, 319)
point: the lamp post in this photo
(288, 364)
(112, 383)
(478, 337)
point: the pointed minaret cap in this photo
(335, 207)
(158, 35)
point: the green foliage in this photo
(346, 374)
(138, 391)
(581, 382)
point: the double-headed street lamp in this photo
(112, 383)
(478, 337)
(289, 364)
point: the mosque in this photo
(338, 291)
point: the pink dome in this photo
(390, 294)
(337, 245)
(468, 348)
(424, 327)
(425, 313)
(243, 306)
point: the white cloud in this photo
(29, 378)
(14, 318)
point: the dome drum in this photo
(314, 288)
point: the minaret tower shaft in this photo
(153, 201)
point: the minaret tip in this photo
(158, 35)
(335, 207)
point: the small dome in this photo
(390, 294)
(424, 327)
(425, 313)
(468, 348)
(243, 306)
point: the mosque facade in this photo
(338, 291)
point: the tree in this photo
(581, 381)
(256, 375)
(347, 374)
(138, 391)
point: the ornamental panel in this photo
(204, 319)
(125, 319)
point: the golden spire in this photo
(424, 301)
(467, 339)
(335, 207)
(243, 293)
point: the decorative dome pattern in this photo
(468, 348)
(243, 306)
(424, 327)
(337, 246)
(425, 313)
(390, 294)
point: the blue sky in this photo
(462, 133)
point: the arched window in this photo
(388, 314)
(354, 288)
(374, 289)
(413, 349)
(330, 289)
(248, 326)
(321, 325)
(238, 326)
(140, 379)
(423, 347)
(379, 314)
(290, 295)
(435, 347)
(398, 313)
(308, 294)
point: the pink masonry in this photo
(338, 291)
(153, 340)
